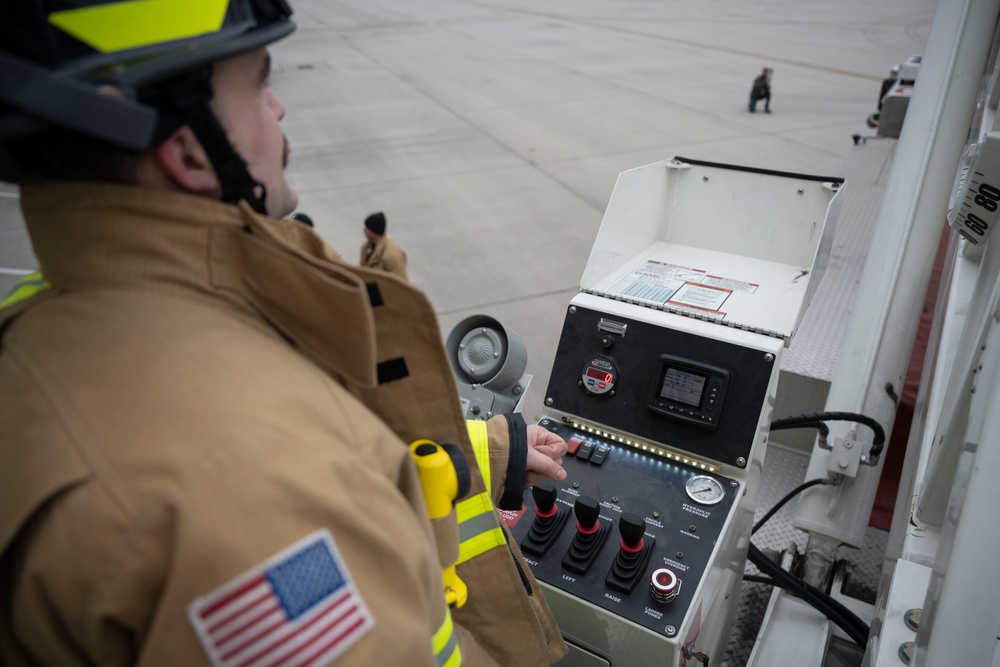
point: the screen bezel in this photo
(686, 411)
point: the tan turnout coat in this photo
(385, 255)
(199, 389)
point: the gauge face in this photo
(704, 490)
(599, 375)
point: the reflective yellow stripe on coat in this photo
(446, 644)
(478, 528)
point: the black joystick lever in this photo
(549, 519)
(633, 554)
(631, 528)
(587, 512)
(544, 494)
(590, 536)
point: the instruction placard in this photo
(703, 297)
(655, 281)
(680, 287)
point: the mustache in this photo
(285, 152)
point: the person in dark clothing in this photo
(761, 90)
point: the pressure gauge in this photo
(704, 490)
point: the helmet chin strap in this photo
(189, 95)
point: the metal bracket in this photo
(845, 456)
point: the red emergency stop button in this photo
(664, 584)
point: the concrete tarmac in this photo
(491, 133)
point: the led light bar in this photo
(657, 450)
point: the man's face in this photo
(250, 113)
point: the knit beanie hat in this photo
(376, 223)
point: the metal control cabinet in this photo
(693, 486)
(663, 384)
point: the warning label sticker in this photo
(703, 297)
(655, 281)
(682, 288)
(730, 284)
(511, 517)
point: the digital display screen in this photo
(599, 375)
(682, 387)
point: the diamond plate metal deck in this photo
(814, 349)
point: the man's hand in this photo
(545, 452)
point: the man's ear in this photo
(184, 161)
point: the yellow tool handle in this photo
(437, 477)
(440, 485)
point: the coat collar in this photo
(88, 235)
(369, 329)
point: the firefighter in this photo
(207, 413)
(380, 251)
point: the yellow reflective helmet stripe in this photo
(26, 287)
(445, 643)
(119, 26)
(478, 528)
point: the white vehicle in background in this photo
(894, 98)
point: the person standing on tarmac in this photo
(206, 411)
(761, 90)
(380, 251)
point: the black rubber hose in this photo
(782, 424)
(846, 619)
(791, 494)
(807, 418)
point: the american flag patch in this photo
(297, 608)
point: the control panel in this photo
(626, 530)
(685, 391)
(640, 550)
(663, 384)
